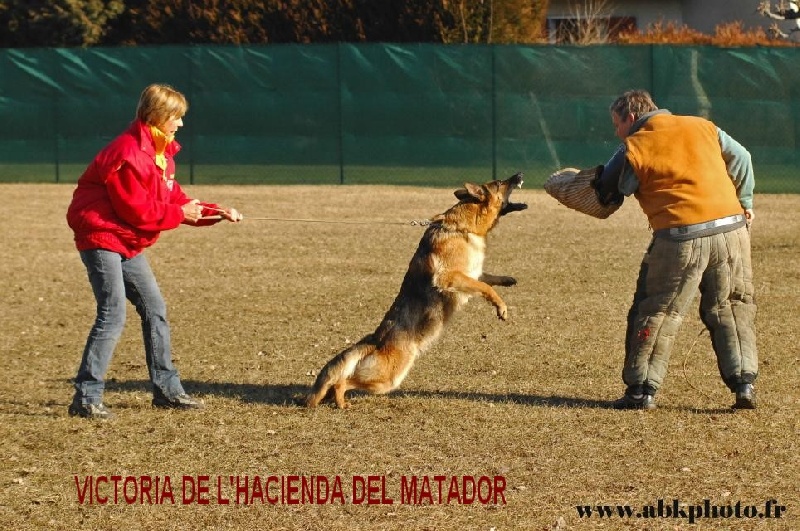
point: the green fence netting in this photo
(378, 113)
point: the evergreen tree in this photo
(56, 23)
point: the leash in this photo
(413, 222)
(686, 359)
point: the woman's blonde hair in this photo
(159, 103)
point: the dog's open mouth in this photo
(513, 182)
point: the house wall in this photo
(706, 15)
(701, 15)
(646, 13)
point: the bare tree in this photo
(588, 22)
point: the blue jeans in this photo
(115, 279)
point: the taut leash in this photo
(413, 222)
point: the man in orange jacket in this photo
(695, 184)
(122, 202)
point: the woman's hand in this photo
(192, 211)
(231, 214)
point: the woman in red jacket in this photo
(122, 202)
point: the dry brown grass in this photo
(729, 34)
(526, 400)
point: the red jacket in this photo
(123, 200)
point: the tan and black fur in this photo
(445, 271)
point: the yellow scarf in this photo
(161, 142)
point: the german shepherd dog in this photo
(445, 271)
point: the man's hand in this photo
(749, 216)
(607, 190)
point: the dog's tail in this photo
(335, 373)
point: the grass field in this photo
(257, 308)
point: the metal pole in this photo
(494, 116)
(340, 110)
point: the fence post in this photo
(56, 135)
(340, 110)
(190, 97)
(494, 116)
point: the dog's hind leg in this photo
(335, 374)
(339, 390)
(317, 394)
(326, 379)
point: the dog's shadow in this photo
(293, 395)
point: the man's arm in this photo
(608, 182)
(740, 167)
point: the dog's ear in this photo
(471, 193)
(462, 195)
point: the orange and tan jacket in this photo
(682, 175)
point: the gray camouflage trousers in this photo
(671, 274)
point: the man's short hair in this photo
(635, 102)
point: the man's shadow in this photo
(512, 398)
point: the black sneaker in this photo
(182, 401)
(745, 397)
(90, 411)
(643, 401)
